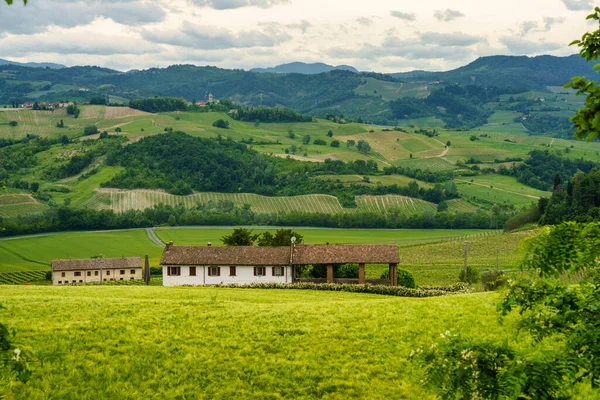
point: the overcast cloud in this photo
(378, 35)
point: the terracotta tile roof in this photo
(94, 263)
(344, 253)
(303, 255)
(234, 255)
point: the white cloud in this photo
(449, 39)
(448, 15)
(578, 5)
(520, 46)
(404, 15)
(233, 4)
(211, 38)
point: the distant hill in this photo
(304, 68)
(510, 71)
(32, 64)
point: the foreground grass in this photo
(154, 342)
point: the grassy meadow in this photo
(154, 342)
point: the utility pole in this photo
(466, 254)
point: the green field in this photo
(133, 342)
(498, 189)
(390, 91)
(36, 252)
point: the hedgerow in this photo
(353, 288)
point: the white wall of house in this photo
(244, 275)
(90, 276)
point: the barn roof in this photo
(302, 255)
(94, 263)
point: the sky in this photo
(372, 35)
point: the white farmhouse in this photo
(207, 265)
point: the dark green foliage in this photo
(350, 143)
(118, 129)
(330, 133)
(159, 104)
(73, 110)
(320, 142)
(239, 237)
(306, 139)
(282, 237)
(98, 100)
(541, 167)
(405, 278)
(472, 275)
(13, 123)
(221, 123)
(347, 271)
(335, 143)
(363, 146)
(90, 130)
(544, 124)
(579, 201)
(267, 114)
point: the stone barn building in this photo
(207, 265)
(91, 270)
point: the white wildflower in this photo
(17, 354)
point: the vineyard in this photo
(121, 201)
(13, 205)
(20, 277)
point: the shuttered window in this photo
(260, 271)
(214, 271)
(232, 271)
(277, 271)
(192, 271)
(173, 271)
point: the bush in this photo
(472, 275)
(404, 277)
(221, 123)
(493, 280)
(13, 123)
(90, 130)
(320, 142)
(370, 289)
(335, 143)
(347, 271)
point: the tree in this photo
(363, 146)
(330, 133)
(350, 143)
(587, 119)
(240, 237)
(221, 123)
(291, 134)
(282, 237)
(335, 143)
(73, 110)
(34, 187)
(13, 123)
(306, 139)
(90, 130)
(64, 139)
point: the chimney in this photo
(169, 246)
(209, 244)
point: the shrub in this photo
(335, 143)
(117, 129)
(404, 277)
(90, 130)
(320, 142)
(306, 139)
(472, 275)
(221, 123)
(347, 271)
(13, 123)
(493, 280)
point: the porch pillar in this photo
(394, 274)
(361, 274)
(329, 273)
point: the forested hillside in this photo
(454, 98)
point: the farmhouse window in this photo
(80, 281)
(107, 273)
(192, 271)
(74, 281)
(121, 279)
(62, 275)
(232, 271)
(260, 271)
(95, 273)
(214, 271)
(277, 271)
(59, 282)
(174, 271)
(89, 273)
(132, 272)
(122, 272)
(78, 273)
